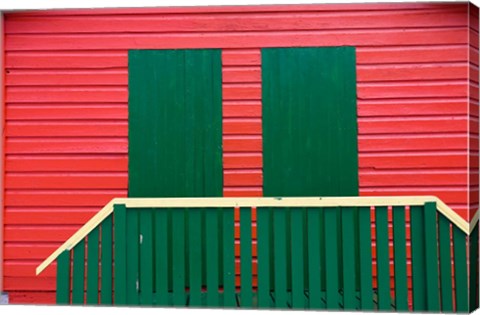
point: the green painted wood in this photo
(93, 266)
(178, 256)
(106, 290)
(473, 299)
(280, 257)
(120, 245)
(229, 299)
(418, 258)
(161, 256)
(306, 94)
(246, 293)
(63, 278)
(365, 246)
(349, 261)
(175, 102)
(400, 258)
(78, 277)
(212, 236)
(431, 257)
(460, 263)
(383, 260)
(444, 248)
(263, 257)
(133, 254)
(331, 258)
(195, 255)
(314, 259)
(146, 256)
(297, 257)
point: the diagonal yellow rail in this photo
(442, 208)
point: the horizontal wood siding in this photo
(66, 107)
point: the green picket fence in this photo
(309, 257)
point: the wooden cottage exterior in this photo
(400, 115)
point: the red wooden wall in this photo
(66, 106)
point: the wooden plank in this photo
(212, 256)
(178, 256)
(280, 258)
(78, 278)
(63, 278)
(120, 245)
(445, 248)
(314, 258)
(263, 256)
(349, 259)
(383, 261)
(92, 266)
(331, 258)
(400, 259)
(365, 246)
(246, 290)
(229, 298)
(418, 258)
(161, 257)
(460, 267)
(431, 257)
(106, 266)
(195, 255)
(297, 257)
(133, 253)
(473, 300)
(146, 274)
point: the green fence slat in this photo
(418, 258)
(132, 257)
(314, 259)
(331, 258)
(263, 256)
(63, 278)
(444, 240)
(146, 275)
(229, 298)
(431, 257)
(473, 300)
(92, 266)
(297, 247)
(400, 258)
(106, 266)
(365, 249)
(349, 263)
(120, 243)
(460, 263)
(212, 236)
(280, 257)
(178, 256)
(383, 260)
(246, 296)
(195, 256)
(78, 279)
(161, 257)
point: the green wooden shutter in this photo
(309, 122)
(175, 123)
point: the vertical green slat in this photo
(92, 266)
(78, 280)
(297, 241)
(132, 257)
(161, 256)
(263, 256)
(120, 217)
(445, 263)
(349, 263)
(431, 257)
(246, 257)
(418, 258)
(400, 258)
(106, 267)
(63, 278)
(280, 257)
(473, 300)
(314, 259)
(195, 256)
(331, 258)
(146, 256)
(460, 262)
(365, 249)
(211, 220)
(178, 259)
(229, 299)
(383, 261)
